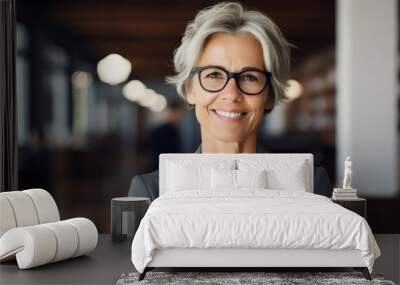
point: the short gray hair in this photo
(230, 17)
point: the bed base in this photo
(363, 270)
(248, 259)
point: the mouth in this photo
(229, 115)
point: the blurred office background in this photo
(83, 139)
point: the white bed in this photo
(201, 219)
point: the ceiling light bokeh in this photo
(160, 105)
(114, 69)
(134, 90)
(148, 99)
(81, 80)
(294, 90)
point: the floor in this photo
(389, 262)
(110, 260)
(102, 266)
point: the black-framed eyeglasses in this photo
(250, 81)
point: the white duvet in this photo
(253, 218)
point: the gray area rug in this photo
(229, 278)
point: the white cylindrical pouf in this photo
(23, 208)
(45, 205)
(7, 218)
(34, 246)
(87, 233)
(67, 239)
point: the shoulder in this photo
(145, 185)
(146, 179)
(322, 183)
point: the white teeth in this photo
(229, 114)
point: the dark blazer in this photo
(146, 185)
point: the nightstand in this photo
(120, 229)
(358, 205)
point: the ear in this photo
(190, 98)
(270, 103)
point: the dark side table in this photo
(358, 205)
(137, 205)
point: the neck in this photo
(211, 145)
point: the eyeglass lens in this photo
(214, 79)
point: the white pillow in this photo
(251, 178)
(281, 174)
(222, 179)
(182, 177)
(185, 175)
(293, 179)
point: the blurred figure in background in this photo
(166, 138)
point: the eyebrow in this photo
(246, 68)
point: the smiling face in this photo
(229, 116)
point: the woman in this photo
(232, 67)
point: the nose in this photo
(231, 92)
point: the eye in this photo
(252, 76)
(214, 74)
(248, 77)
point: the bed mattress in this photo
(250, 219)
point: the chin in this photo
(231, 138)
